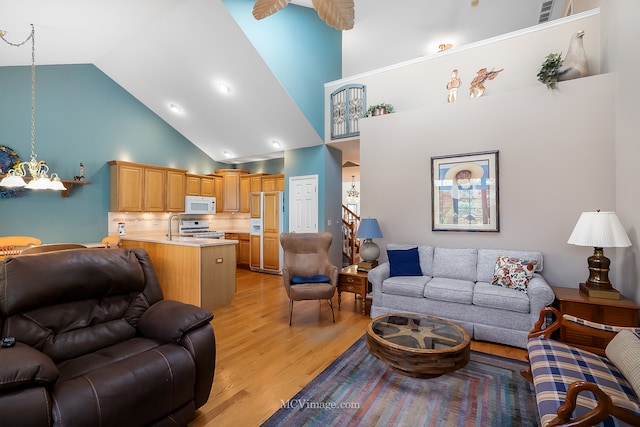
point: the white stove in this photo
(198, 228)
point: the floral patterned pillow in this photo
(513, 273)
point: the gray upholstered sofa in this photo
(455, 284)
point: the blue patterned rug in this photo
(359, 390)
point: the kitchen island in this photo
(197, 271)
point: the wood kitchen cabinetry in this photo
(231, 188)
(273, 182)
(271, 231)
(249, 183)
(200, 275)
(200, 185)
(218, 189)
(254, 255)
(243, 253)
(136, 187)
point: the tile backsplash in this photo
(138, 223)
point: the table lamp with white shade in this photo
(600, 230)
(369, 251)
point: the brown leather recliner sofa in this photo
(96, 343)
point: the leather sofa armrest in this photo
(22, 366)
(169, 320)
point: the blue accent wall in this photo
(81, 116)
(295, 32)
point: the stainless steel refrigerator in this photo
(267, 219)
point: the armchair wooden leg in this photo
(332, 314)
(290, 311)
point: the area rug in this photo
(357, 389)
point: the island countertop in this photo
(177, 240)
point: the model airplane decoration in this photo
(338, 14)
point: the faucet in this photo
(173, 215)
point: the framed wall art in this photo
(464, 192)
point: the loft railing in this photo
(347, 108)
(350, 245)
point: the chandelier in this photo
(38, 170)
(352, 193)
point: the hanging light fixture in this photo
(352, 193)
(38, 170)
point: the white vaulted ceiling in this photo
(178, 51)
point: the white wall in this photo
(556, 160)
(620, 55)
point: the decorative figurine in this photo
(477, 84)
(453, 85)
(80, 176)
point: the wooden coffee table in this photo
(418, 345)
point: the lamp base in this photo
(595, 291)
(367, 265)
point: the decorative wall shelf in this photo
(67, 183)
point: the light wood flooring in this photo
(262, 361)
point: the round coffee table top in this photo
(418, 345)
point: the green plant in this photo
(548, 73)
(383, 106)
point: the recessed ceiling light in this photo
(226, 153)
(224, 88)
(275, 144)
(175, 108)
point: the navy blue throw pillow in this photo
(318, 278)
(404, 262)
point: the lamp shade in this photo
(599, 229)
(369, 229)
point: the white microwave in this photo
(199, 205)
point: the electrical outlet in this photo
(328, 223)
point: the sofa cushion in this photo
(452, 290)
(487, 261)
(404, 262)
(624, 351)
(556, 365)
(513, 273)
(488, 295)
(425, 253)
(411, 286)
(455, 263)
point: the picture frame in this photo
(465, 192)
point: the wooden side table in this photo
(622, 312)
(352, 280)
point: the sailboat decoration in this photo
(338, 14)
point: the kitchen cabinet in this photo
(202, 274)
(136, 187)
(231, 188)
(244, 250)
(249, 183)
(126, 183)
(271, 231)
(254, 256)
(218, 190)
(255, 205)
(175, 188)
(273, 182)
(200, 185)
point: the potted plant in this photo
(379, 109)
(548, 73)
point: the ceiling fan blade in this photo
(338, 14)
(264, 8)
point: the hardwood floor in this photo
(262, 361)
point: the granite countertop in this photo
(180, 241)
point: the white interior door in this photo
(303, 204)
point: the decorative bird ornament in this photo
(338, 14)
(575, 63)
